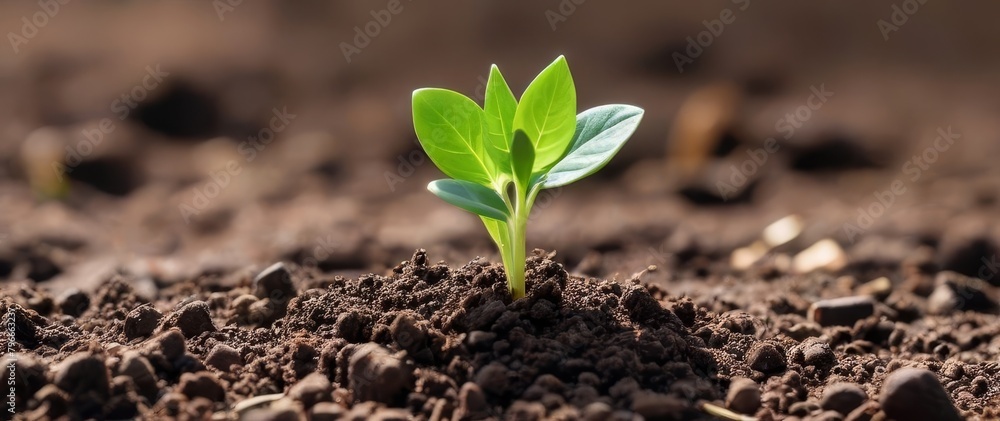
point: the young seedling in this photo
(500, 156)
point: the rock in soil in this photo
(141, 322)
(377, 375)
(743, 396)
(312, 389)
(202, 384)
(223, 357)
(843, 398)
(192, 319)
(842, 311)
(916, 394)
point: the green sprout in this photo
(500, 156)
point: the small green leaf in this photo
(449, 126)
(600, 134)
(547, 114)
(522, 156)
(470, 196)
(499, 107)
(498, 231)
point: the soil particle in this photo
(223, 357)
(865, 412)
(192, 319)
(137, 367)
(312, 389)
(916, 394)
(141, 322)
(407, 334)
(493, 378)
(375, 374)
(842, 311)
(814, 352)
(275, 283)
(73, 302)
(597, 411)
(202, 384)
(767, 358)
(326, 411)
(657, 406)
(843, 398)
(170, 344)
(85, 378)
(472, 402)
(956, 292)
(743, 396)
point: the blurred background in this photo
(172, 140)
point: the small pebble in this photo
(138, 368)
(141, 322)
(493, 378)
(841, 311)
(275, 283)
(312, 389)
(326, 411)
(375, 374)
(743, 396)
(825, 255)
(223, 357)
(170, 344)
(202, 384)
(73, 302)
(192, 319)
(472, 402)
(766, 358)
(81, 373)
(843, 398)
(916, 394)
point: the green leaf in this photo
(498, 231)
(449, 126)
(547, 113)
(472, 197)
(600, 134)
(499, 107)
(522, 155)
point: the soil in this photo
(181, 268)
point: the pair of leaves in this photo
(600, 134)
(539, 140)
(474, 144)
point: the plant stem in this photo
(518, 228)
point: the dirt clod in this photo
(767, 358)
(843, 398)
(73, 302)
(192, 319)
(141, 322)
(915, 393)
(377, 375)
(223, 357)
(743, 396)
(312, 389)
(202, 384)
